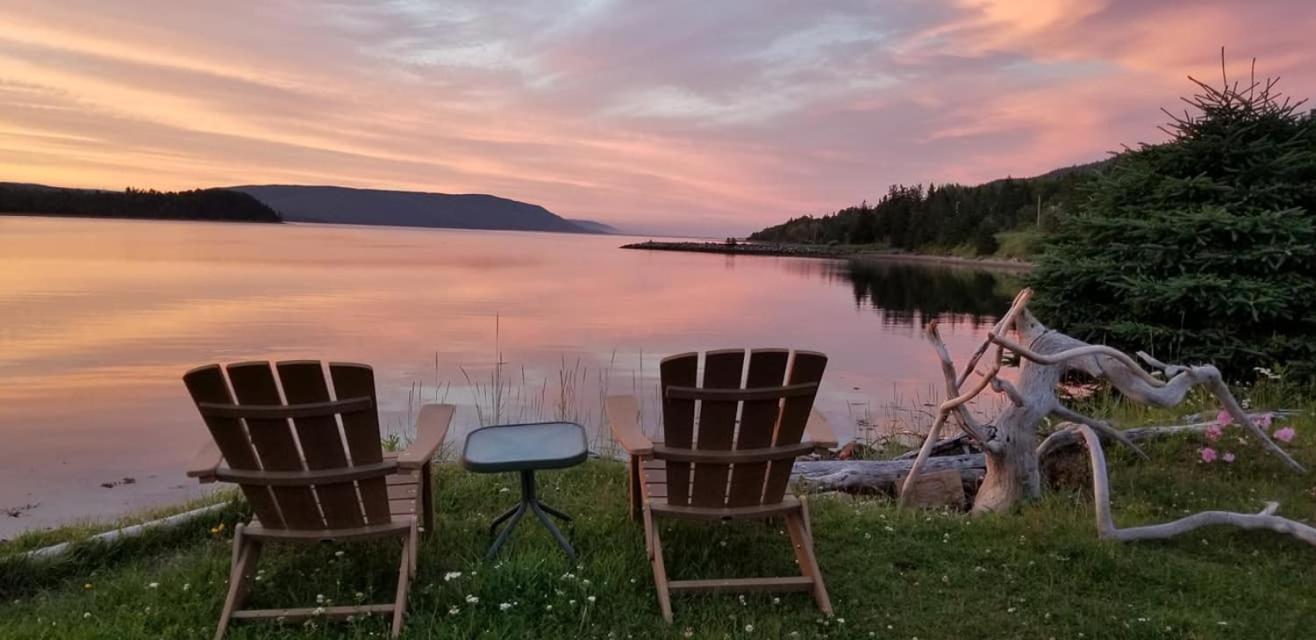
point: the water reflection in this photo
(908, 295)
(98, 320)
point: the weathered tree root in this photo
(1009, 441)
(1106, 529)
(884, 476)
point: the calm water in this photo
(98, 321)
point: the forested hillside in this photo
(945, 218)
(198, 204)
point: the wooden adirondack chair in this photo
(709, 467)
(285, 451)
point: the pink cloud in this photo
(671, 117)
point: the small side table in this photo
(526, 448)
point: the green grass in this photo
(1021, 244)
(1037, 573)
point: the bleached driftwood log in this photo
(1010, 442)
(1265, 519)
(882, 476)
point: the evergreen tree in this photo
(1202, 248)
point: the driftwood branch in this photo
(1104, 427)
(1005, 386)
(956, 403)
(1001, 326)
(1265, 519)
(1136, 383)
(967, 422)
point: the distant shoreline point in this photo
(829, 252)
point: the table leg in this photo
(529, 501)
(506, 514)
(531, 498)
(515, 516)
(553, 511)
(552, 529)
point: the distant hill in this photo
(595, 227)
(342, 205)
(213, 205)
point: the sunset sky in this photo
(659, 117)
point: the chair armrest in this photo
(819, 432)
(623, 416)
(431, 428)
(205, 462)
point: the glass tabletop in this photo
(525, 447)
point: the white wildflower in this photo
(451, 575)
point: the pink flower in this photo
(1286, 434)
(1223, 418)
(1263, 421)
(1213, 432)
(1208, 454)
(1228, 457)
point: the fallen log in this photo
(881, 476)
(884, 476)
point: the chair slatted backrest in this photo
(753, 410)
(279, 431)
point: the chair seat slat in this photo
(307, 478)
(742, 456)
(742, 395)
(277, 411)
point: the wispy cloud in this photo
(677, 116)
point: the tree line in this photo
(938, 218)
(197, 204)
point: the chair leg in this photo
(427, 498)
(404, 579)
(414, 538)
(246, 553)
(634, 487)
(797, 523)
(655, 547)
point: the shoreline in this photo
(829, 252)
